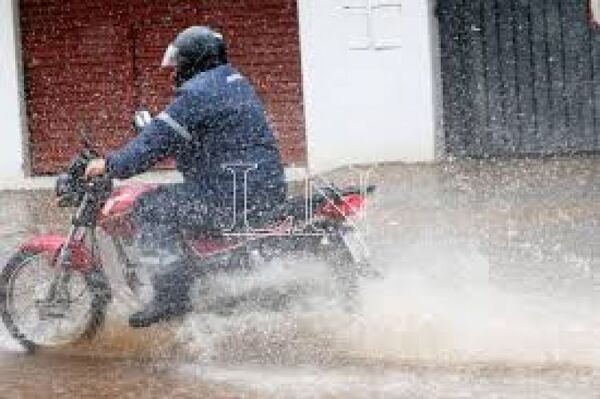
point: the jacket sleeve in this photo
(163, 137)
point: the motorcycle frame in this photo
(110, 210)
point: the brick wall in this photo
(89, 64)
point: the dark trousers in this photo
(160, 216)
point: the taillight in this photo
(349, 205)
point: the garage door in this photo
(521, 77)
(89, 64)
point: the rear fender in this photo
(348, 206)
(50, 245)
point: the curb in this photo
(159, 177)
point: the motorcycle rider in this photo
(214, 120)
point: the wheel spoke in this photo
(28, 284)
(26, 310)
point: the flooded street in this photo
(491, 289)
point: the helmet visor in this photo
(170, 57)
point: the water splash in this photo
(438, 308)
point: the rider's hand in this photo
(96, 167)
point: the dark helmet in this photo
(196, 49)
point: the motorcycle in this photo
(68, 298)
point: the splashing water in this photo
(434, 305)
(438, 309)
(456, 294)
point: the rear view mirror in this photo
(141, 118)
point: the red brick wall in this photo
(90, 63)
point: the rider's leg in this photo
(159, 241)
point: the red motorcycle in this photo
(54, 289)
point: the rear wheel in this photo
(350, 261)
(345, 274)
(35, 321)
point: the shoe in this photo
(171, 297)
(156, 312)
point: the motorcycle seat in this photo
(277, 217)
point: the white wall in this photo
(595, 10)
(11, 134)
(368, 105)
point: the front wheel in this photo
(35, 320)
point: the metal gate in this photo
(520, 77)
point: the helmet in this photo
(196, 49)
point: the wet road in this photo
(491, 290)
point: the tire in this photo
(345, 271)
(94, 281)
(349, 267)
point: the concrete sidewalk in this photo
(159, 176)
(48, 182)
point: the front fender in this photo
(81, 256)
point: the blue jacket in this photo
(215, 121)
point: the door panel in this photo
(521, 77)
(92, 62)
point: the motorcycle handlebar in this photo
(73, 185)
